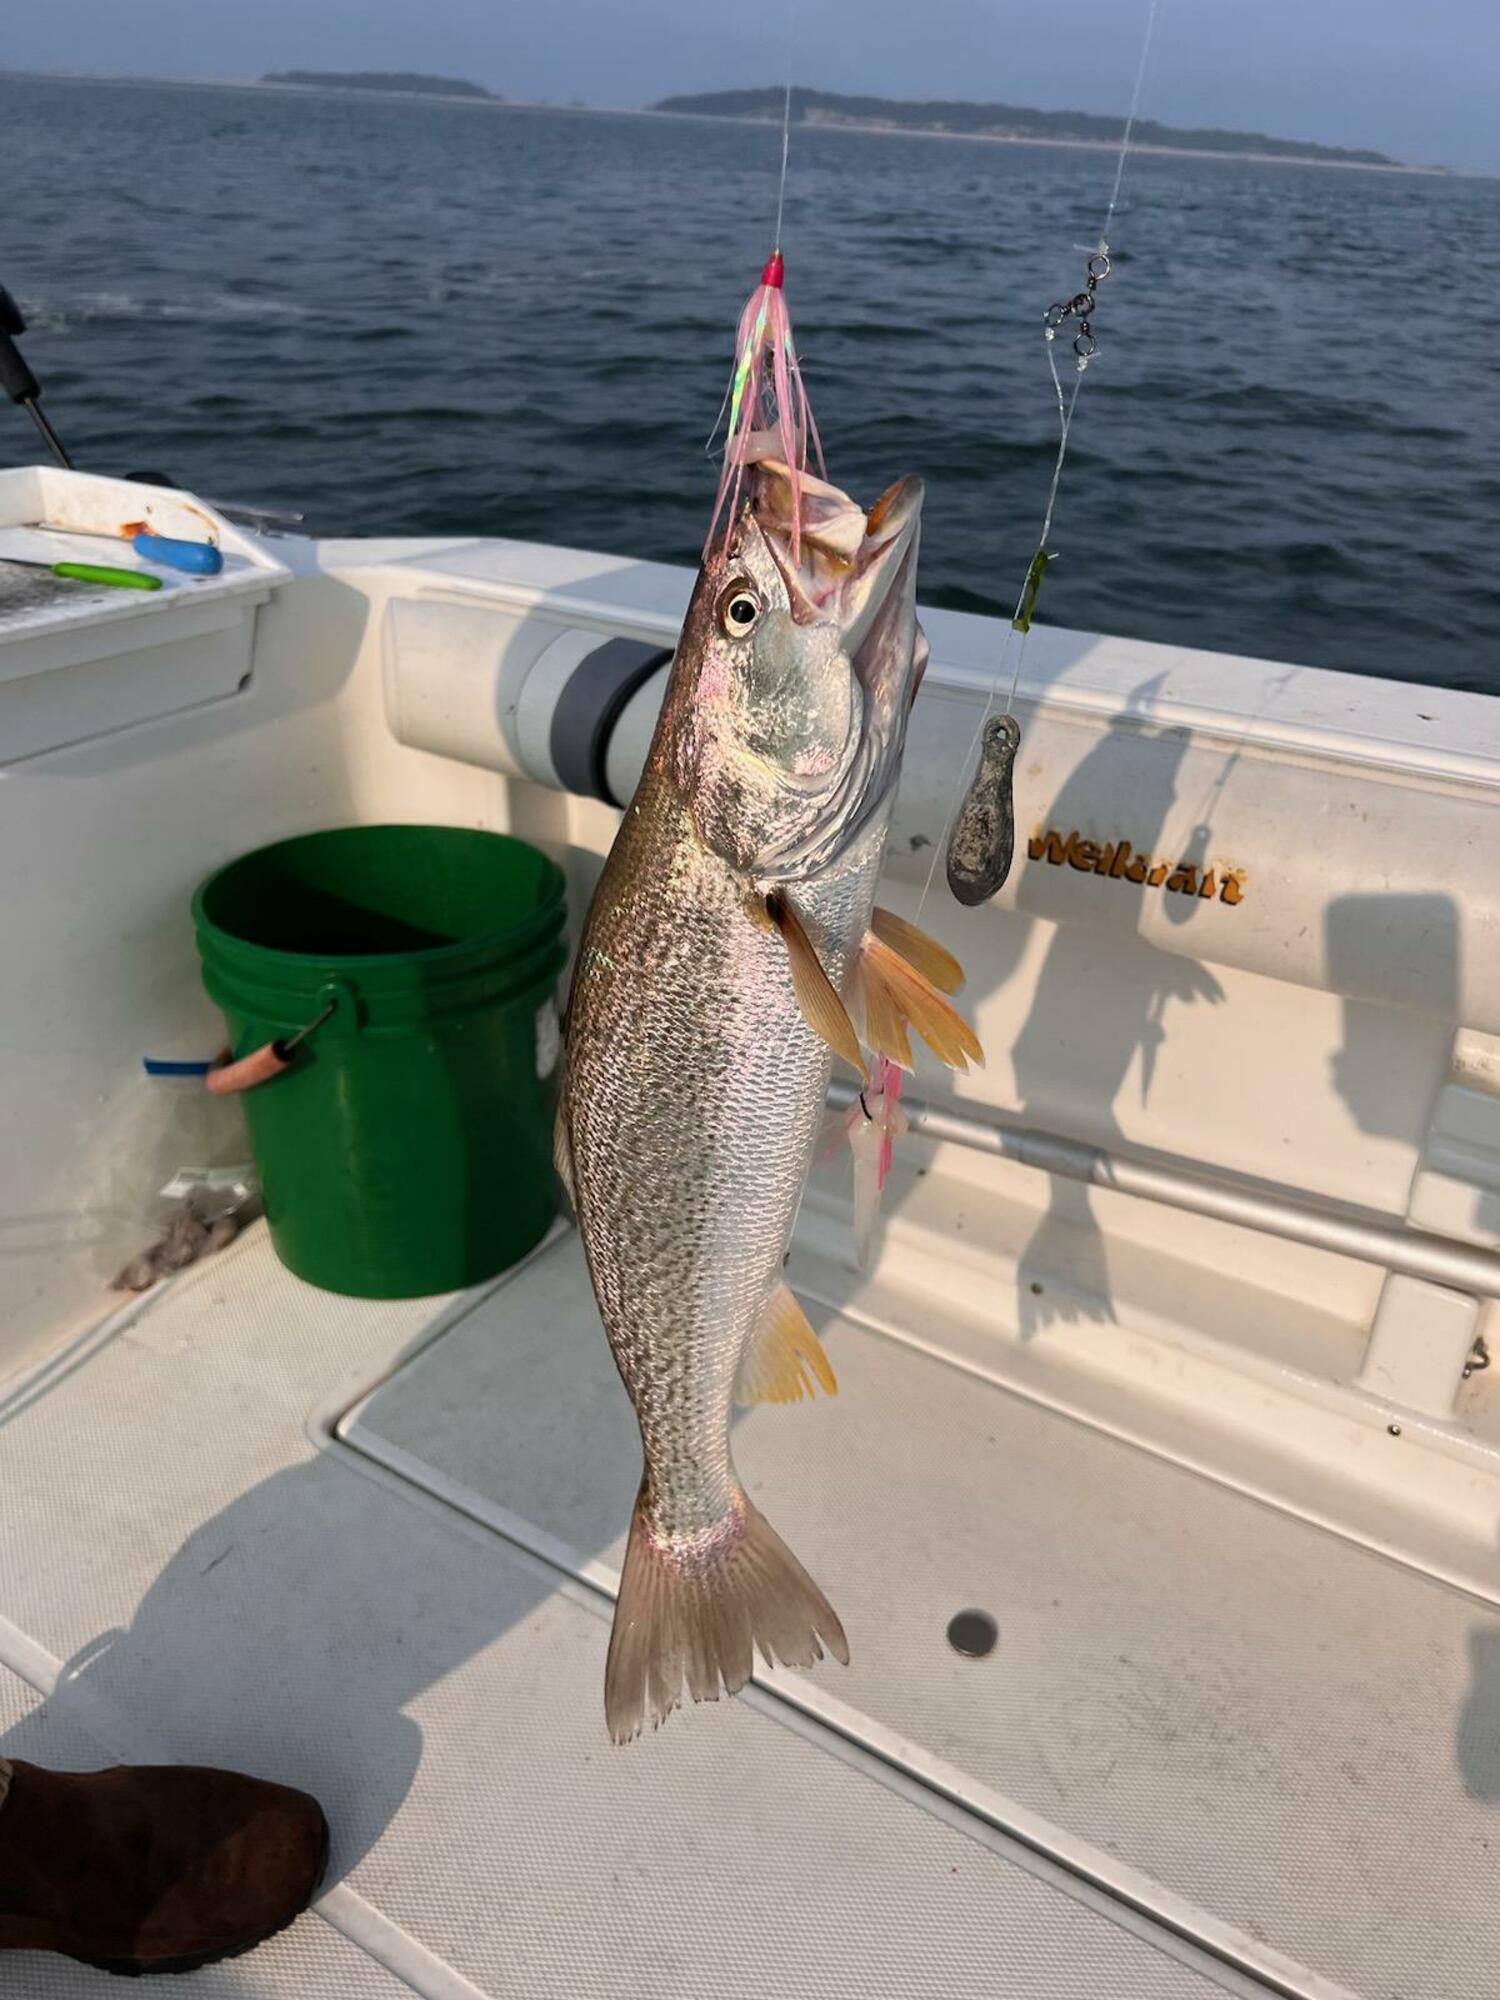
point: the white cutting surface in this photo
(201, 1580)
(33, 598)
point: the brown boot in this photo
(153, 1868)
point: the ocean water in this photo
(407, 317)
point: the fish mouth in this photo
(879, 593)
(860, 569)
(843, 562)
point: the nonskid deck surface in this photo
(190, 1569)
(312, 1958)
(1286, 1731)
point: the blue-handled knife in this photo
(197, 558)
(170, 551)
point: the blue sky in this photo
(1416, 80)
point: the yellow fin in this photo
(939, 967)
(785, 1357)
(822, 1009)
(885, 1024)
(918, 1002)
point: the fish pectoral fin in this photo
(923, 953)
(817, 996)
(562, 1151)
(784, 1360)
(897, 996)
(697, 1618)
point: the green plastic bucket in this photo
(407, 1148)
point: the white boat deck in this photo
(189, 1572)
(1230, 1492)
(1204, 1720)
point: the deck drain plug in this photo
(973, 1633)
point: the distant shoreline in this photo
(261, 87)
(531, 106)
(1010, 124)
(1065, 145)
(381, 83)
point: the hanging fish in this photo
(731, 933)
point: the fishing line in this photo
(979, 854)
(786, 143)
(769, 416)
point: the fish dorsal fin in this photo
(785, 1360)
(822, 1009)
(939, 967)
(898, 996)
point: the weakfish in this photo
(732, 948)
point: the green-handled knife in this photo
(84, 572)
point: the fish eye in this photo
(739, 609)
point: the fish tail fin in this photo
(692, 1612)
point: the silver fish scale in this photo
(695, 1095)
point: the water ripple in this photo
(405, 320)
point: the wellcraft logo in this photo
(1118, 860)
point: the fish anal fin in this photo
(886, 974)
(923, 953)
(784, 1360)
(694, 1611)
(822, 1009)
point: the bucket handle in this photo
(274, 1058)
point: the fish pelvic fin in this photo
(898, 995)
(817, 996)
(922, 953)
(784, 1359)
(691, 1613)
